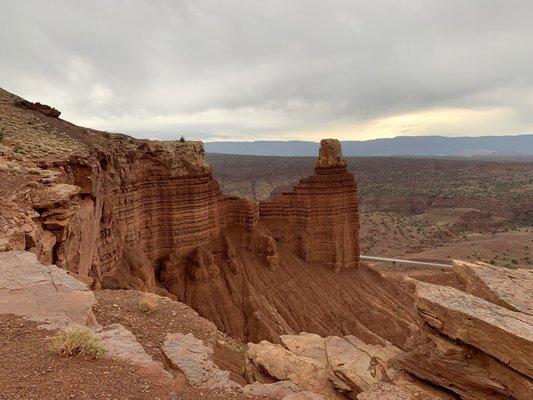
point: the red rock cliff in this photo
(158, 199)
(319, 219)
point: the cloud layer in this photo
(229, 70)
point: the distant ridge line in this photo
(518, 145)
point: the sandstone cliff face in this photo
(318, 220)
(149, 216)
(138, 214)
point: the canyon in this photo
(281, 295)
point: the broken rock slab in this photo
(266, 361)
(43, 293)
(509, 288)
(121, 344)
(53, 196)
(329, 366)
(465, 370)
(504, 334)
(195, 360)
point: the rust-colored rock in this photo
(509, 288)
(465, 370)
(504, 334)
(318, 220)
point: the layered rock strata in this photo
(318, 219)
(509, 288)
(473, 347)
(149, 216)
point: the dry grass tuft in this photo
(148, 305)
(78, 341)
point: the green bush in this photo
(78, 341)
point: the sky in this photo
(275, 70)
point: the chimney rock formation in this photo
(319, 219)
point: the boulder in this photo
(195, 360)
(272, 361)
(509, 288)
(504, 334)
(356, 364)
(328, 366)
(42, 292)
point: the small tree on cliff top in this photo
(182, 139)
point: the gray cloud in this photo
(266, 69)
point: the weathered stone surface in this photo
(276, 390)
(53, 195)
(121, 344)
(509, 288)
(328, 366)
(42, 292)
(195, 360)
(304, 395)
(404, 390)
(330, 154)
(504, 334)
(465, 370)
(281, 364)
(319, 219)
(356, 364)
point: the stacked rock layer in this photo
(319, 220)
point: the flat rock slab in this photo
(42, 292)
(54, 195)
(471, 373)
(509, 288)
(506, 335)
(190, 356)
(121, 344)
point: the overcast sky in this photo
(245, 70)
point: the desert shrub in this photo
(18, 101)
(78, 341)
(148, 305)
(182, 139)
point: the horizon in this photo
(366, 140)
(251, 72)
